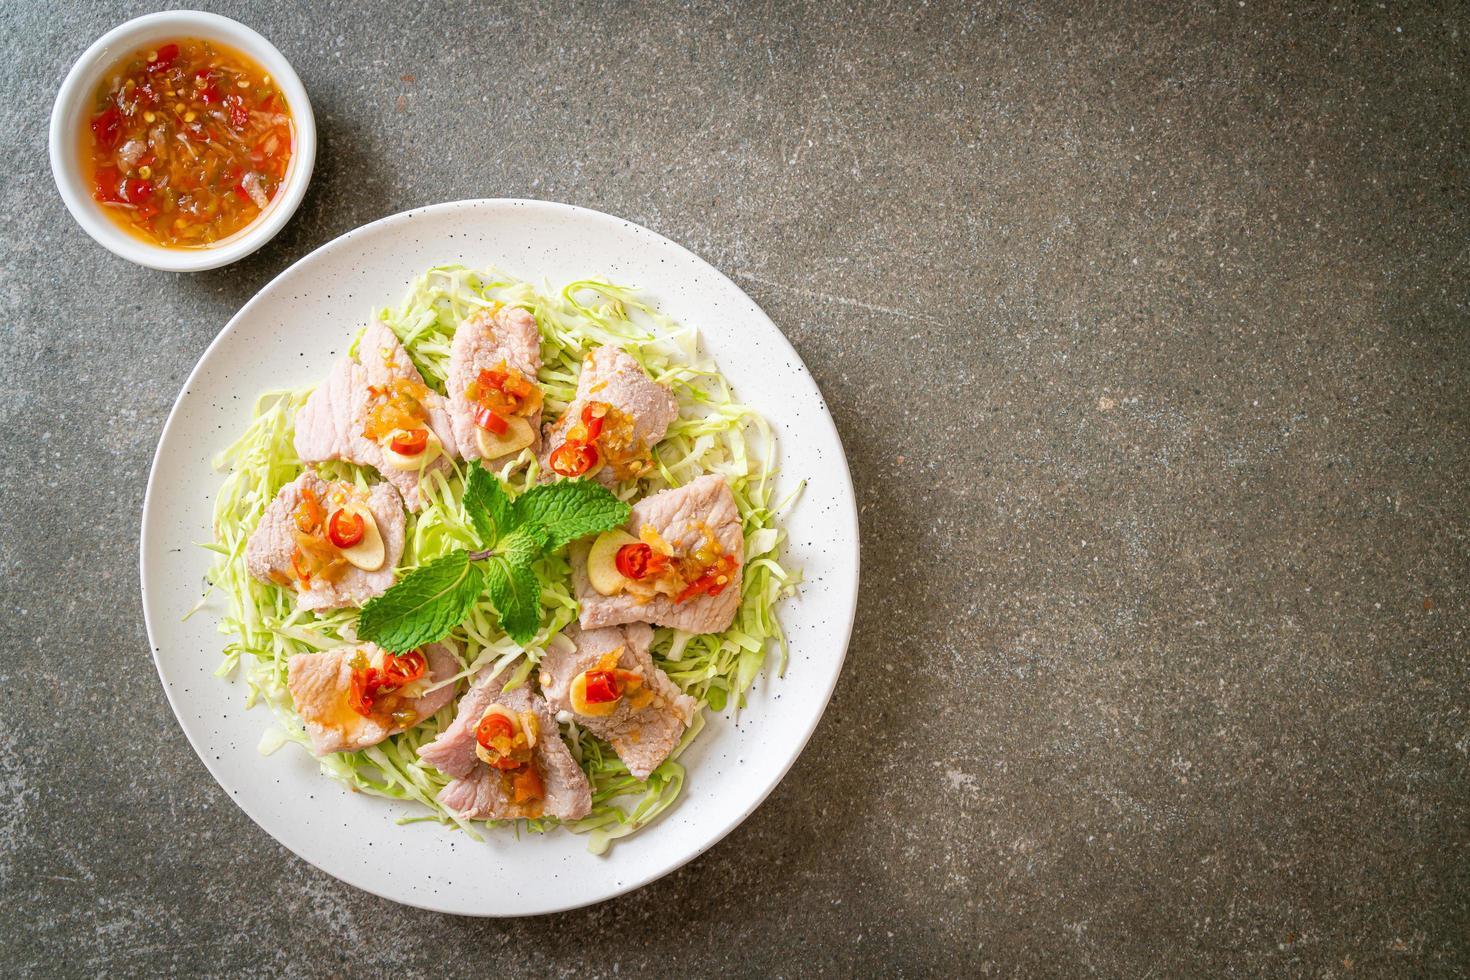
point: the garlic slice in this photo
(602, 562)
(433, 449)
(369, 553)
(518, 435)
(577, 695)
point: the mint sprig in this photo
(489, 507)
(428, 602)
(570, 509)
(517, 596)
(425, 604)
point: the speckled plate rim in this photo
(819, 652)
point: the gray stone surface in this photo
(1146, 331)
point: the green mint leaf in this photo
(570, 509)
(517, 597)
(487, 504)
(525, 544)
(424, 605)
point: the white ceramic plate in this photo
(290, 334)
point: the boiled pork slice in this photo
(481, 343)
(331, 423)
(319, 685)
(476, 792)
(680, 516)
(386, 360)
(268, 552)
(609, 375)
(642, 736)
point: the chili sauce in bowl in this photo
(187, 143)
(219, 185)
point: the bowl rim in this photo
(65, 145)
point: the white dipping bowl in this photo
(74, 106)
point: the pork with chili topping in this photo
(321, 686)
(647, 714)
(480, 791)
(354, 412)
(290, 547)
(488, 347)
(637, 413)
(695, 547)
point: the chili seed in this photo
(188, 117)
(179, 107)
(152, 55)
(145, 171)
(149, 117)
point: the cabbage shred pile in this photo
(713, 434)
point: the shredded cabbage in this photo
(713, 434)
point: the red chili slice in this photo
(363, 689)
(490, 420)
(712, 582)
(345, 528)
(403, 668)
(368, 683)
(208, 94)
(632, 560)
(410, 443)
(492, 727)
(698, 587)
(167, 55)
(136, 191)
(602, 687)
(105, 185)
(106, 126)
(573, 459)
(592, 415)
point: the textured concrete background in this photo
(1146, 331)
